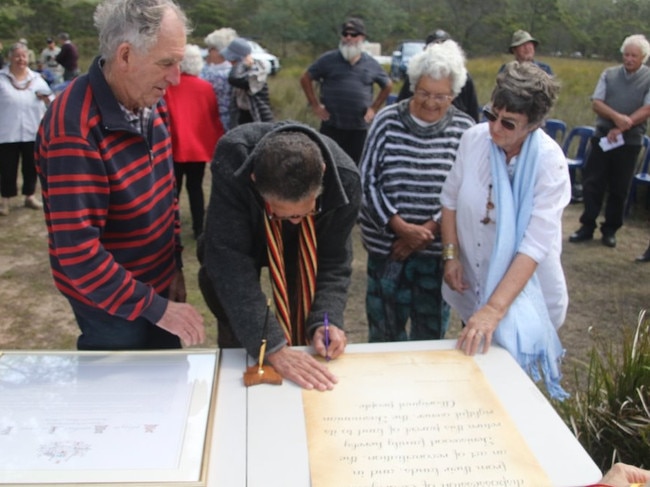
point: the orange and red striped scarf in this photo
(307, 268)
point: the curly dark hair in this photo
(288, 166)
(525, 88)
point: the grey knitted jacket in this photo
(233, 247)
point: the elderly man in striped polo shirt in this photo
(105, 164)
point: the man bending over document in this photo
(285, 197)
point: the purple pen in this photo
(326, 322)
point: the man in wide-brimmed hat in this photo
(523, 47)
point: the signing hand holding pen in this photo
(337, 341)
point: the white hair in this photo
(192, 62)
(220, 38)
(132, 21)
(439, 61)
(640, 41)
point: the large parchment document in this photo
(414, 419)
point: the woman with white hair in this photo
(196, 128)
(217, 69)
(410, 148)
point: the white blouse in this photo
(21, 110)
(466, 192)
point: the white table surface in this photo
(259, 437)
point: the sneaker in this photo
(4, 207)
(33, 203)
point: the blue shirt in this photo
(346, 89)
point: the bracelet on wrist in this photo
(449, 252)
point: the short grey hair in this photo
(220, 38)
(134, 21)
(640, 41)
(525, 88)
(14, 47)
(192, 62)
(288, 166)
(439, 61)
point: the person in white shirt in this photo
(48, 62)
(24, 97)
(502, 227)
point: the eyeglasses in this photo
(273, 217)
(437, 97)
(493, 117)
(350, 34)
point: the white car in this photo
(270, 61)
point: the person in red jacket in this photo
(195, 127)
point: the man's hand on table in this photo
(303, 369)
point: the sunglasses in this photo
(350, 34)
(492, 117)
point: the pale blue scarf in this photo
(526, 330)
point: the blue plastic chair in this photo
(556, 129)
(579, 137)
(642, 177)
(576, 149)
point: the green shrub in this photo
(610, 412)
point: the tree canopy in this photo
(591, 27)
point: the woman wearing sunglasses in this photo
(502, 227)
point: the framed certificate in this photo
(105, 417)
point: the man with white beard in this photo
(346, 76)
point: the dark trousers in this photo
(194, 172)
(113, 333)
(10, 155)
(225, 335)
(351, 141)
(609, 172)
